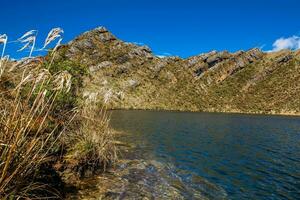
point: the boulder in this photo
(141, 51)
(101, 65)
(284, 58)
(133, 83)
(218, 57)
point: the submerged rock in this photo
(145, 179)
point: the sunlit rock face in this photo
(242, 81)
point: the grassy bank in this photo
(46, 129)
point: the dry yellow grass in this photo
(93, 147)
(29, 94)
(24, 141)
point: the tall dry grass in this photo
(28, 93)
(93, 144)
(25, 140)
(29, 98)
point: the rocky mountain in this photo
(128, 76)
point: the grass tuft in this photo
(93, 148)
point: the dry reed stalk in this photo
(29, 38)
(25, 142)
(52, 36)
(94, 147)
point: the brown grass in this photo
(25, 137)
(31, 129)
(93, 147)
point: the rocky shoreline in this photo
(135, 178)
(231, 111)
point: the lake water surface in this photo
(249, 156)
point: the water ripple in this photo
(246, 156)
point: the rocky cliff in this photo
(125, 75)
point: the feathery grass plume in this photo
(3, 62)
(29, 39)
(26, 63)
(107, 96)
(3, 40)
(62, 81)
(57, 45)
(28, 33)
(43, 74)
(53, 35)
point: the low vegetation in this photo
(44, 122)
(92, 143)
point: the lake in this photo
(249, 156)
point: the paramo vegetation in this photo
(46, 130)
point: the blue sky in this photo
(175, 27)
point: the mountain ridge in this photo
(130, 76)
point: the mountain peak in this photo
(97, 30)
(101, 29)
(100, 34)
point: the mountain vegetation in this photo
(130, 76)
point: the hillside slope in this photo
(129, 76)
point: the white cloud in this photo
(292, 43)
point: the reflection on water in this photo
(251, 157)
